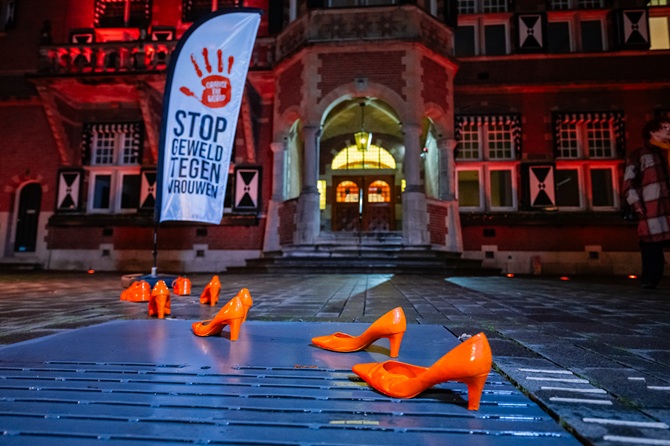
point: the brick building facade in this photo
(499, 130)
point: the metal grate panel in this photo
(154, 382)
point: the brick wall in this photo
(435, 81)
(28, 154)
(287, 212)
(550, 238)
(236, 237)
(290, 83)
(437, 223)
(382, 67)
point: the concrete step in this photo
(342, 264)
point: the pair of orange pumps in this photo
(160, 303)
(233, 313)
(468, 363)
(158, 297)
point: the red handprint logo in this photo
(217, 90)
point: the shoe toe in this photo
(364, 370)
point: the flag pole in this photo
(154, 253)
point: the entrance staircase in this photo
(363, 253)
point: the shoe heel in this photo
(214, 295)
(395, 340)
(235, 325)
(162, 306)
(475, 388)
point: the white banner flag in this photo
(203, 93)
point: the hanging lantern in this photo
(363, 138)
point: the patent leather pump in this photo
(181, 286)
(468, 363)
(392, 325)
(139, 291)
(230, 314)
(210, 294)
(159, 301)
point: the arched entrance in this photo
(361, 184)
(28, 214)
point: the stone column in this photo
(446, 148)
(414, 210)
(454, 239)
(309, 218)
(271, 240)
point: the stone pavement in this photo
(593, 352)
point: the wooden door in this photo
(30, 201)
(364, 203)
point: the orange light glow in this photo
(565, 278)
(91, 271)
(632, 276)
(510, 275)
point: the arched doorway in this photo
(27, 218)
(364, 190)
(360, 185)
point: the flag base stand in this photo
(151, 278)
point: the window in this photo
(568, 188)
(113, 166)
(465, 43)
(192, 10)
(658, 2)
(495, 40)
(588, 135)
(476, 36)
(583, 31)
(373, 158)
(486, 187)
(356, 3)
(347, 192)
(322, 187)
(481, 6)
(589, 148)
(600, 193)
(561, 5)
(494, 6)
(7, 14)
(558, 37)
(486, 162)
(658, 33)
(122, 13)
(469, 190)
(379, 192)
(592, 35)
(487, 137)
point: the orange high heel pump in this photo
(181, 286)
(247, 301)
(469, 363)
(159, 302)
(210, 294)
(139, 291)
(392, 325)
(231, 314)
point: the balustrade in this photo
(119, 57)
